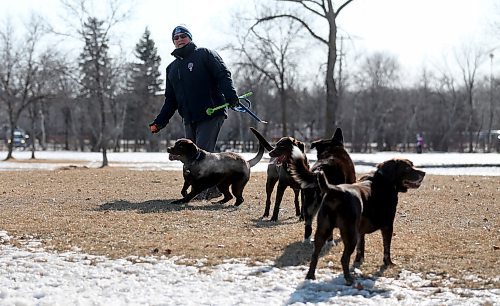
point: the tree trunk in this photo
(284, 117)
(331, 88)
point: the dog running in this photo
(278, 172)
(336, 164)
(362, 208)
(202, 170)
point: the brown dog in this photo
(334, 161)
(202, 170)
(362, 208)
(278, 172)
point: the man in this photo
(196, 80)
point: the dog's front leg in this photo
(319, 242)
(387, 239)
(302, 201)
(279, 197)
(195, 190)
(185, 188)
(298, 212)
(309, 209)
(270, 183)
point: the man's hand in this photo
(153, 128)
(233, 103)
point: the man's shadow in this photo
(160, 206)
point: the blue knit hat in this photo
(181, 29)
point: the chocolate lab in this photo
(278, 172)
(337, 166)
(202, 170)
(362, 208)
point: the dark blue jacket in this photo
(196, 79)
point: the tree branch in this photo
(302, 22)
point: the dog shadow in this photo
(295, 254)
(159, 206)
(307, 291)
(299, 253)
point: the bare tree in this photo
(376, 81)
(270, 51)
(19, 67)
(447, 113)
(325, 10)
(491, 105)
(100, 78)
(469, 60)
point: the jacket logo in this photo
(190, 66)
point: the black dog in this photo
(362, 208)
(203, 170)
(278, 172)
(334, 161)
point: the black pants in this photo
(205, 133)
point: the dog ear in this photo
(191, 148)
(388, 169)
(314, 144)
(338, 136)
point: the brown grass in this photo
(449, 226)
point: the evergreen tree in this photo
(145, 83)
(95, 69)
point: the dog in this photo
(202, 170)
(362, 208)
(278, 172)
(334, 161)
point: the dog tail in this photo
(254, 161)
(299, 170)
(323, 183)
(261, 139)
(333, 195)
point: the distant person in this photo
(420, 143)
(196, 80)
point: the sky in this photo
(418, 32)
(30, 275)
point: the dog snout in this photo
(420, 175)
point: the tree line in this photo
(101, 102)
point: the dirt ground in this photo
(448, 227)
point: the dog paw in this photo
(349, 280)
(310, 276)
(223, 201)
(388, 263)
